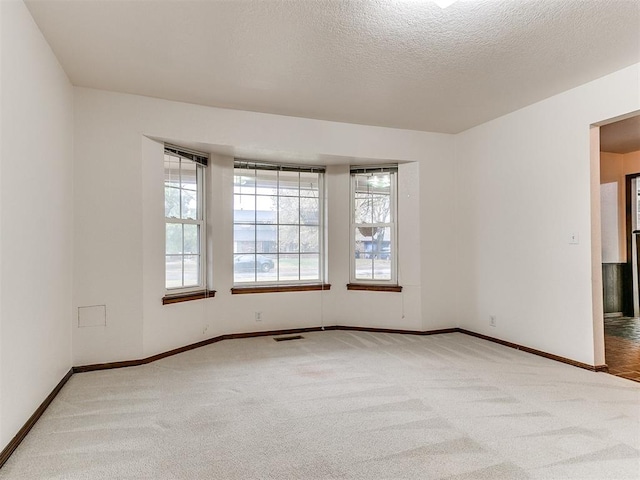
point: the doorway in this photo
(620, 242)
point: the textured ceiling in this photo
(621, 137)
(397, 63)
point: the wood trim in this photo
(22, 433)
(395, 330)
(540, 353)
(231, 336)
(289, 331)
(266, 333)
(281, 288)
(108, 365)
(185, 297)
(374, 288)
(186, 348)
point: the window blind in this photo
(373, 168)
(252, 165)
(198, 157)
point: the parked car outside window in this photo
(251, 262)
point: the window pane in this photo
(171, 171)
(380, 183)
(380, 253)
(380, 242)
(309, 184)
(288, 184)
(289, 210)
(381, 269)
(188, 177)
(364, 267)
(267, 182)
(266, 238)
(191, 270)
(244, 268)
(362, 183)
(173, 238)
(381, 208)
(288, 238)
(173, 271)
(189, 204)
(310, 239)
(310, 266)
(244, 207)
(244, 182)
(372, 242)
(191, 238)
(171, 202)
(267, 209)
(266, 268)
(364, 237)
(363, 209)
(360, 243)
(244, 238)
(373, 253)
(289, 267)
(310, 211)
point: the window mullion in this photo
(182, 254)
(278, 225)
(255, 225)
(374, 225)
(180, 185)
(184, 221)
(299, 231)
(200, 216)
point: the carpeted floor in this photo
(339, 405)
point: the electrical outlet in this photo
(574, 239)
(258, 316)
(492, 320)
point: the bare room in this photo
(319, 239)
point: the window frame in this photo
(277, 285)
(392, 225)
(200, 161)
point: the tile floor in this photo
(622, 346)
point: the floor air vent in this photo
(291, 337)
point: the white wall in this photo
(613, 229)
(614, 167)
(610, 227)
(120, 226)
(36, 219)
(485, 219)
(524, 187)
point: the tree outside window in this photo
(373, 225)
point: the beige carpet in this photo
(339, 405)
